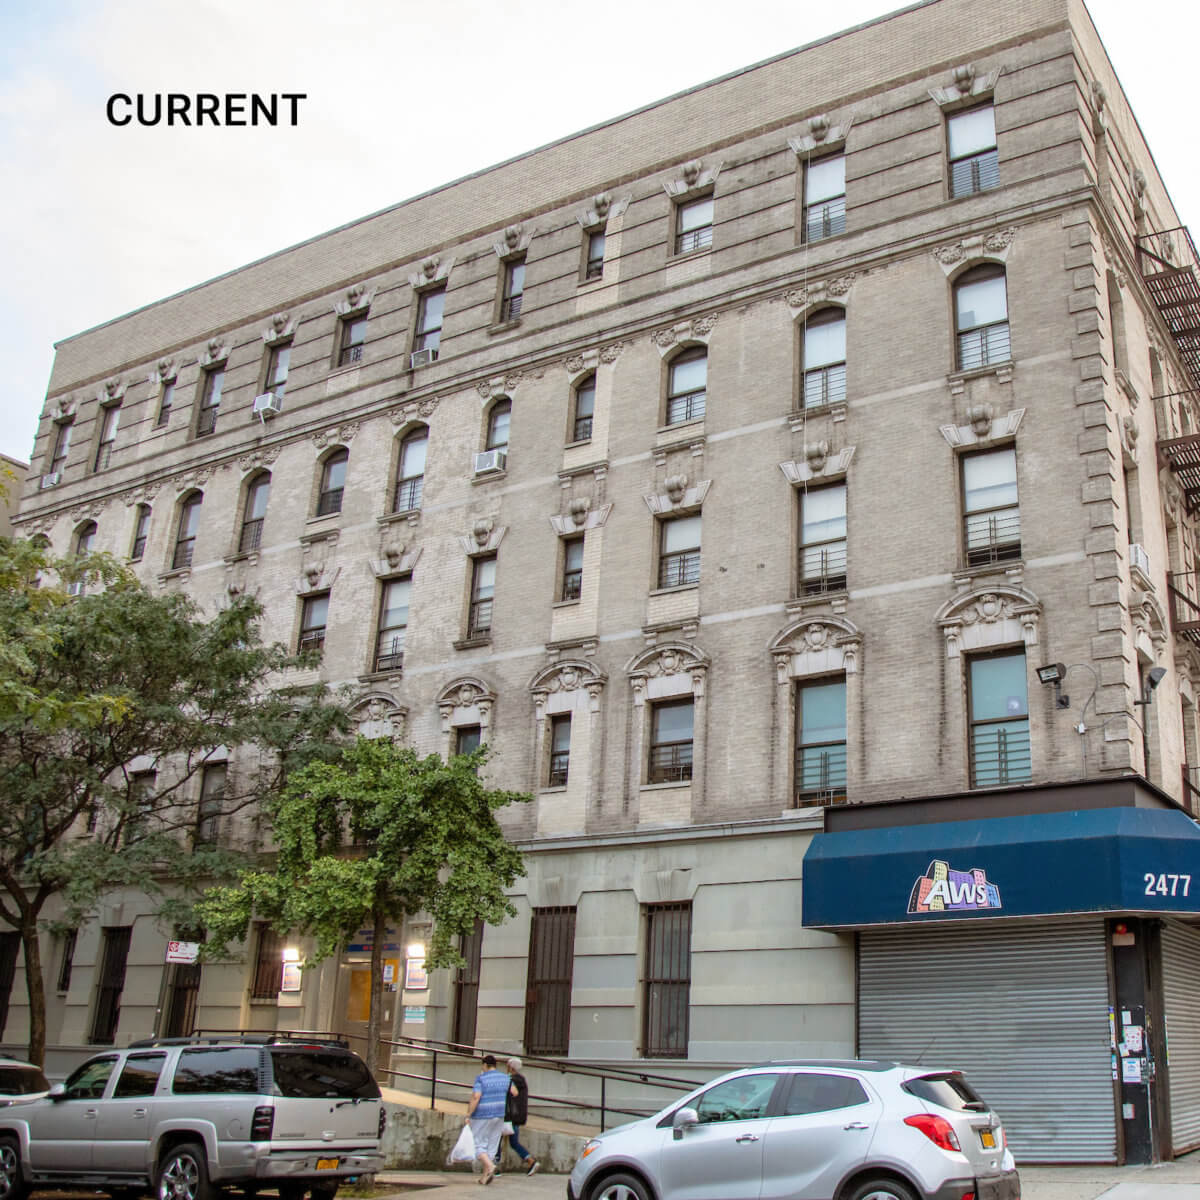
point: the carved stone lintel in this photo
(695, 177)
(342, 434)
(823, 136)
(413, 410)
(966, 83)
(688, 497)
(822, 291)
(697, 329)
(993, 246)
(983, 426)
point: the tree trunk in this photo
(373, 1021)
(35, 987)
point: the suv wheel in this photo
(880, 1189)
(620, 1187)
(183, 1174)
(12, 1183)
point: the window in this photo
(499, 420)
(139, 1075)
(62, 444)
(585, 408)
(823, 364)
(84, 541)
(141, 532)
(111, 983)
(974, 162)
(671, 742)
(185, 537)
(268, 964)
(821, 742)
(548, 986)
(393, 625)
(483, 588)
(467, 739)
(67, 961)
(165, 399)
(217, 1071)
(89, 1081)
(353, 335)
(254, 513)
(109, 419)
(410, 477)
(693, 225)
(572, 573)
(512, 289)
(593, 260)
(141, 804)
(210, 401)
(991, 517)
(687, 382)
(560, 750)
(981, 317)
(999, 747)
(277, 368)
(428, 333)
(313, 617)
(212, 803)
(825, 197)
(668, 980)
(745, 1098)
(810, 1093)
(466, 986)
(823, 540)
(333, 483)
(679, 552)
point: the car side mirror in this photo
(683, 1120)
(57, 1091)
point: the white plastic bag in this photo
(464, 1148)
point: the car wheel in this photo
(324, 1191)
(621, 1187)
(183, 1174)
(880, 1189)
(12, 1182)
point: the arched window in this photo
(823, 358)
(84, 539)
(333, 483)
(498, 422)
(687, 385)
(584, 406)
(410, 473)
(981, 317)
(254, 512)
(185, 535)
(141, 531)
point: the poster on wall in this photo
(416, 978)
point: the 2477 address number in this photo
(1167, 885)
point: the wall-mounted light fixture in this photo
(1153, 678)
(1055, 673)
(291, 954)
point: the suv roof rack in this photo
(243, 1037)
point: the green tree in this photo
(365, 841)
(112, 701)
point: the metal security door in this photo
(1181, 1016)
(1022, 1010)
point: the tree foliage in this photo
(112, 700)
(367, 840)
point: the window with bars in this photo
(693, 225)
(687, 386)
(548, 985)
(466, 986)
(110, 983)
(593, 254)
(825, 197)
(671, 731)
(974, 160)
(393, 625)
(584, 404)
(141, 532)
(333, 483)
(571, 587)
(820, 742)
(999, 725)
(183, 993)
(410, 472)
(483, 590)
(314, 616)
(667, 980)
(560, 750)
(353, 335)
(427, 335)
(512, 288)
(166, 398)
(110, 418)
(268, 963)
(679, 552)
(254, 513)
(278, 358)
(823, 540)
(185, 535)
(212, 804)
(213, 383)
(991, 515)
(823, 358)
(981, 318)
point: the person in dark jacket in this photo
(516, 1112)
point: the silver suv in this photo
(182, 1117)
(820, 1130)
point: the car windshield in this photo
(21, 1081)
(948, 1090)
(323, 1074)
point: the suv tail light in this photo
(937, 1129)
(382, 1118)
(262, 1123)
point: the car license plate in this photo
(327, 1164)
(988, 1138)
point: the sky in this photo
(401, 97)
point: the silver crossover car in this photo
(822, 1130)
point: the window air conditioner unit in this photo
(422, 358)
(489, 460)
(51, 480)
(1139, 558)
(267, 405)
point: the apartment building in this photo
(792, 482)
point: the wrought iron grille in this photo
(670, 762)
(330, 502)
(350, 354)
(688, 407)
(480, 618)
(181, 1002)
(408, 493)
(825, 385)
(983, 346)
(825, 219)
(978, 173)
(822, 569)
(391, 654)
(820, 774)
(693, 239)
(548, 988)
(675, 570)
(466, 986)
(668, 980)
(312, 639)
(993, 536)
(251, 537)
(1000, 754)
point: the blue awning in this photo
(1131, 860)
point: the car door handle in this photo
(139, 1112)
(89, 1113)
(747, 1137)
(856, 1125)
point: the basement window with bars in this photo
(667, 980)
(548, 985)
